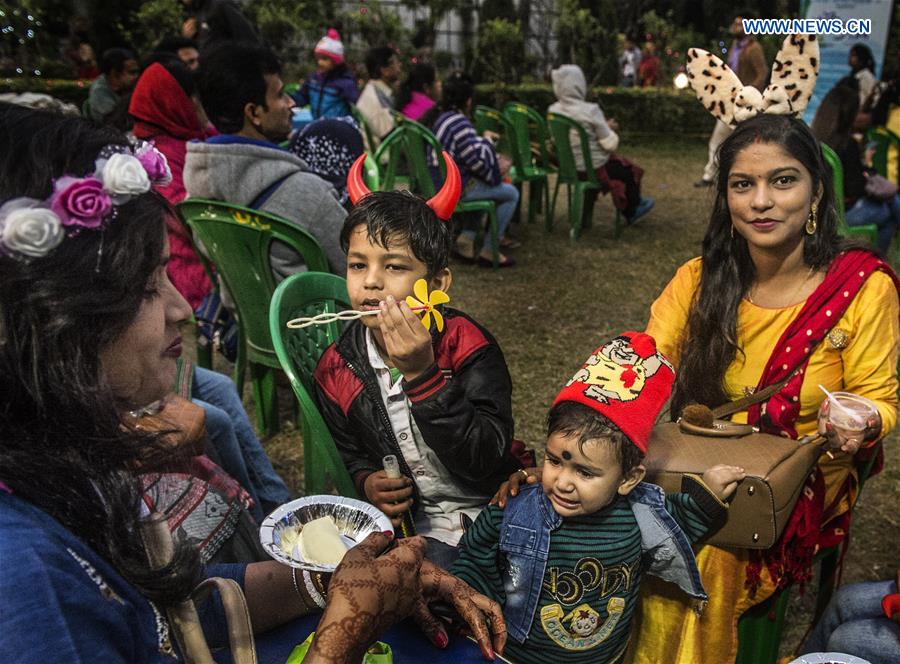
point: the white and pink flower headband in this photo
(719, 89)
(30, 228)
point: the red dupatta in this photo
(790, 559)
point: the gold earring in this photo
(811, 221)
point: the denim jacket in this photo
(525, 532)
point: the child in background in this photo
(331, 90)
(439, 400)
(565, 558)
(616, 174)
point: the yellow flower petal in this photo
(438, 297)
(426, 319)
(438, 321)
(413, 302)
(420, 290)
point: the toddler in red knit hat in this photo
(565, 556)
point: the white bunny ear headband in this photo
(793, 78)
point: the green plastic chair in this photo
(561, 128)
(410, 141)
(868, 231)
(237, 240)
(759, 636)
(529, 127)
(884, 138)
(302, 295)
(486, 118)
(367, 130)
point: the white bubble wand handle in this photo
(328, 317)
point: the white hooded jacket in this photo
(570, 86)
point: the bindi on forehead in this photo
(567, 456)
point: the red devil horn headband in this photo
(443, 203)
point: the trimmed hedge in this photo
(638, 110)
(73, 92)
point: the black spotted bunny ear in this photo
(714, 83)
(793, 76)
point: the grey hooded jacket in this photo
(239, 172)
(570, 88)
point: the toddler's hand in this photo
(406, 340)
(722, 480)
(391, 496)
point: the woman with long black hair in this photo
(775, 295)
(89, 333)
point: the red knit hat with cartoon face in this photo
(628, 381)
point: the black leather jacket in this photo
(462, 405)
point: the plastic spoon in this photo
(834, 402)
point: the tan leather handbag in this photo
(776, 468)
(183, 618)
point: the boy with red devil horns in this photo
(437, 398)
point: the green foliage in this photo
(375, 26)
(501, 52)
(73, 92)
(588, 37)
(660, 110)
(153, 20)
(291, 28)
(672, 42)
(29, 39)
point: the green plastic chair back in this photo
(884, 138)
(409, 143)
(367, 130)
(303, 295)
(529, 128)
(486, 118)
(237, 240)
(868, 231)
(562, 129)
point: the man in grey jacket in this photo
(242, 92)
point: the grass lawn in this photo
(562, 299)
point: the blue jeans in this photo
(440, 553)
(884, 215)
(854, 624)
(506, 197)
(233, 438)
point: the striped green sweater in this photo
(592, 579)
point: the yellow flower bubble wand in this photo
(423, 304)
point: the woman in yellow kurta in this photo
(735, 320)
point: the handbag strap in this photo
(757, 397)
(183, 616)
(240, 630)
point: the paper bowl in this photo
(355, 520)
(828, 658)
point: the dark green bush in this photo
(73, 92)
(638, 110)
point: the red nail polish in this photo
(388, 533)
(441, 640)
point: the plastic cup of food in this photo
(850, 415)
